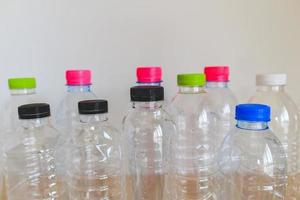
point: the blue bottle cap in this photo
(253, 113)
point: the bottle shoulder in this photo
(159, 121)
(191, 105)
(252, 151)
(275, 99)
(78, 96)
(221, 96)
(256, 141)
(96, 133)
(147, 114)
(68, 107)
(282, 106)
(38, 139)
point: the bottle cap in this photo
(217, 73)
(191, 80)
(147, 93)
(271, 79)
(78, 77)
(253, 113)
(21, 83)
(34, 111)
(96, 106)
(149, 74)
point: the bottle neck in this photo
(148, 84)
(270, 88)
(34, 123)
(79, 88)
(152, 105)
(93, 118)
(191, 89)
(255, 126)
(25, 91)
(210, 84)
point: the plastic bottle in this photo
(3, 195)
(94, 159)
(195, 146)
(285, 123)
(30, 156)
(149, 75)
(252, 159)
(220, 98)
(22, 91)
(147, 130)
(78, 89)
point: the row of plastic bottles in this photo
(188, 149)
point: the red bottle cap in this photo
(78, 77)
(149, 74)
(217, 73)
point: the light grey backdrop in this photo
(42, 38)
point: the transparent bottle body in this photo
(221, 103)
(30, 162)
(194, 169)
(94, 161)
(253, 164)
(67, 115)
(147, 130)
(285, 124)
(3, 195)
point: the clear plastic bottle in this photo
(195, 147)
(22, 91)
(94, 157)
(78, 89)
(3, 195)
(285, 123)
(149, 75)
(220, 99)
(252, 159)
(30, 156)
(147, 131)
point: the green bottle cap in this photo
(191, 80)
(21, 83)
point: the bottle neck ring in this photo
(79, 88)
(255, 126)
(93, 118)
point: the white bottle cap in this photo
(271, 79)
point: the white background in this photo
(42, 38)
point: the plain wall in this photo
(42, 38)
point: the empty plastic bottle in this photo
(147, 131)
(252, 159)
(285, 123)
(3, 195)
(220, 99)
(22, 91)
(30, 156)
(94, 157)
(195, 146)
(78, 89)
(149, 75)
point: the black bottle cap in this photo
(147, 93)
(34, 111)
(96, 106)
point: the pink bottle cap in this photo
(217, 73)
(149, 74)
(78, 77)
